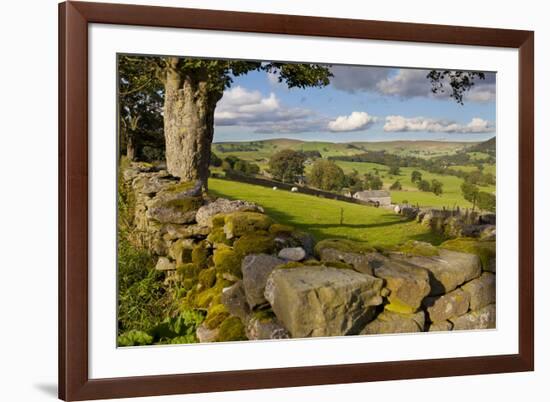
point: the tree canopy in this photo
(287, 165)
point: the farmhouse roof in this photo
(372, 194)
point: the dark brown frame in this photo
(74, 17)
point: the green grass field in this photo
(451, 197)
(321, 216)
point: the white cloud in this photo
(355, 121)
(404, 124)
(242, 107)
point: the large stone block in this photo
(483, 318)
(408, 284)
(447, 271)
(321, 301)
(223, 206)
(256, 268)
(482, 290)
(453, 304)
(389, 322)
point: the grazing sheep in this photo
(275, 188)
(294, 189)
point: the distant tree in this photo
(479, 178)
(373, 182)
(326, 175)
(424, 185)
(416, 176)
(470, 192)
(394, 170)
(437, 187)
(286, 165)
(396, 185)
(215, 160)
(486, 201)
(231, 160)
(226, 165)
(246, 167)
(354, 182)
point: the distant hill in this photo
(421, 149)
(489, 146)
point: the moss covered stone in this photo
(180, 187)
(264, 315)
(344, 245)
(200, 254)
(397, 306)
(216, 315)
(338, 264)
(299, 264)
(227, 260)
(218, 221)
(279, 229)
(180, 250)
(207, 277)
(185, 204)
(254, 243)
(188, 271)
(231, 329)
(218, 236)
(413, 247)
(240, 223)
(484, 249)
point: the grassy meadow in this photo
(259, 153)
(321, 216)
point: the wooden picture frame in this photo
(74, 381)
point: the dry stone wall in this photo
(258, 279)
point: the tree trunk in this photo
(130, 146)
(188, 125)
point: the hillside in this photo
(417, 148)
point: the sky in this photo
(361, 103)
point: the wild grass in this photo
(321, 216)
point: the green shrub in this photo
(134, 338)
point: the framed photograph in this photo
(260, 200)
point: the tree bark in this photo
(188, 124)
(130, 146)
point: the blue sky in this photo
(360, 104)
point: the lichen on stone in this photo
(348, 246)
(231, 329)
(484, 249)
(207, 277)
(200, 254)
(227, 260)
(279, 229)
(413, 247)
(180, 187)
(218, 221)
(254, 243)
(397, 306)
(185, 204)
(216, 315)
(188, 271)
(218, 236)
(240, 223)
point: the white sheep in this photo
(294, 189)
(274, 187)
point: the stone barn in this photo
(379, 197)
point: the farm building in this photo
(380, 197)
